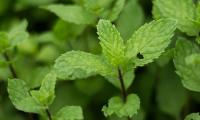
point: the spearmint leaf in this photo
(71, 13)
(78, 64)
(18, 33)
(186, 60)
(20, 97)
(69, 113)
(193, 116)
(46, 94)
(118, 107)
(183, 11)
(149, 41)
(111, 42)
(4, 40)
(130, 19)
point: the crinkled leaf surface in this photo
(78, 64)
(149, 41)
(21, 98)
(183, 11)
(118, 107)
(111, 42)
(46, 94)
(193, 116)
(69, 113)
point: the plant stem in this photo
(48, 114)
(14, 75)
(12, 70)
(123, 89)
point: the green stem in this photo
(14, 75)
(48, 114)
(123, 88)
(11, 68)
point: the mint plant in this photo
(99, 60)
(118, 59)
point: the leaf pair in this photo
(185, 11)
(12, 38)
(37, 101)
(121, 109)
(149, 41)
(187, 63)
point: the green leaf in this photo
(198, 11)
(69, 113)
(97, 7)
(183, 11)
(116, 10)
(46, 94)
(78, 64)
(193, 116)
(18, 33)
(149, 41)
(71, 30)
(4, 40)
(71, 13)
(20, 97)
(186, 60)
(111, 42)
(130, 19)
(118, 107)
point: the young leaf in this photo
(4, 40)
(149, 41)
(183, 11)
(111, 42)
(46, 94)
(18, 33)
(118, 107)
(20, 97)
(186, 61)
(78, 64)
(71, 13)
(193, 116)
(69, 113)
(130, 19)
